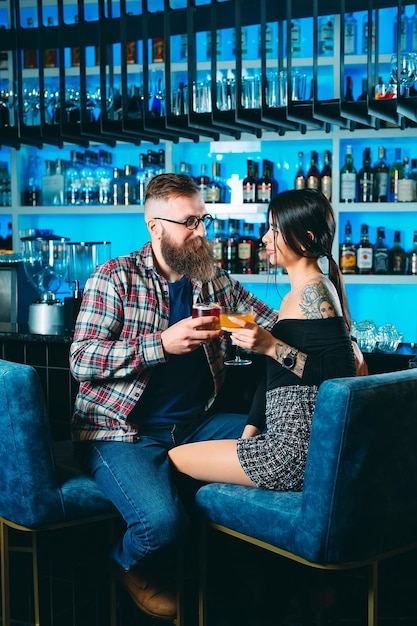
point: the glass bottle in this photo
(267, 186)
(326, 35)
(412, 258)
(351, 34)
(300, 179)
(30, 57)
(406, 185)
(349, 89)
(348, 178)
(50, 55)
(129, 185)
(381, 171)
(396, 172)
(75, 52)
(404, 31)
(366, 179)
(326, 175)
(295, 38)
(218, 242)
(381, 253)
(31, 183)
(313, 176)
(202, 181)
(230, 248)
(88, 179)
(368, 37)
(398, 256)
(364, 252)
(103, 177)
(261, 257)
(413, 30)
(246, 250)
(347, 252)
(250, 181)
(116, 187)
(215, 186)
(73, 180)
(6, 186)
(364, 93)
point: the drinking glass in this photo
(243, 313)
(388, 338)
(206, 309)
(403, 70)
(365, 334)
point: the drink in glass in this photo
(245, 314)
(206, 309)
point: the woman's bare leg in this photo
(210, 461)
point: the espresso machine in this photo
(84, 257)
(45, 261)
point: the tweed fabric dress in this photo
(276, 458)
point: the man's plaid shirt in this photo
(117, 340)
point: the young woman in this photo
(309, 344)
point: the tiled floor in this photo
(248, 587)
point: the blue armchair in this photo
(41, 486)
(359, 500)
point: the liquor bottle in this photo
(364, 252)
(32, 185)
(300, 179)
(349, 89)
(381, 253)
(202, 181)
(364, 93)
(5, 185)
(295, 38)
(326, 175)
(348, 178)
(347, 252)
(246, 250)
(396, 172)
(103, 178)
(313, 176)
(4, 55)
(326, 35)
(406, 185)
(261, 257)
(158, 50)
(412, 258)
(381, 170)
(267, 186)
(30, 57)
(129, 185)
(73, 180)
(49, 55)
(88, 179)
(413, 30)
(216, 187)
(404, 31)
(250, 181)
(75, 52)
(131, 50)
(398, 256)
(116, 187)
(268, 42)
(53, 184)
(366, 179)
(230, 248)
(243, 42)
(218, 242)
(351, 34)
(368, 34)
(209, 45)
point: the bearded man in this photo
(148, 375)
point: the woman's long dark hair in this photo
(306, 220)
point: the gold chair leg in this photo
(373, 594)
(4, 566)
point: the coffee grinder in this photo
(45, 261)
(84, 257)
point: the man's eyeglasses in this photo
(191, 222)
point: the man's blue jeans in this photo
(138, 479)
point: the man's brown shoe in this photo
(149, 596)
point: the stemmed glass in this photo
(403, 70)
(244, 313)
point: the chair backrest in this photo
(360, 491)
(29, 490)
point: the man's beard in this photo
(193, 258)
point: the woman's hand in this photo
(250, 336)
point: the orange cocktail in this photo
(245, 315)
